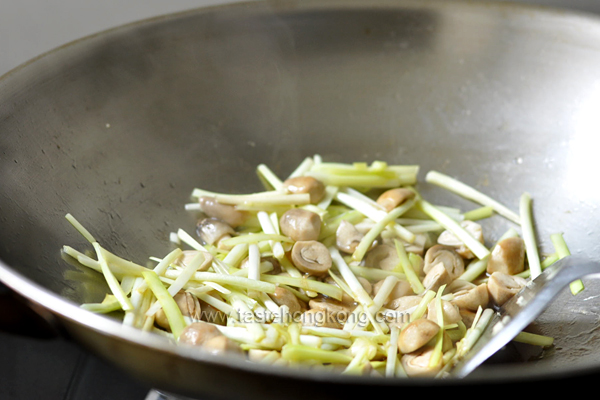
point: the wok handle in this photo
(19, 316)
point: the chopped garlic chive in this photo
(168, 304)
(302, 168)
(529, 238)
(111, 280)
(272, 179)
(407, 269)
(379, 226)
(450, 224)
(562, 251)
(268, 228)
(80, 228)
(272, 198)
(306, 284)
(359, 291)
(255, 238)
(470, 193)
(479, 213)
(534, 339)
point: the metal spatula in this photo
(523, 308)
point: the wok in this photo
(119, 127)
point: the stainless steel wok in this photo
(119, 127)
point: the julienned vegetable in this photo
(344, 267)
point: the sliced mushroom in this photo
(347, 237)
(450, 311)
(198, 333)
(188, 304)
(457, 285)
(508, 256)
(283, 296)
(188, 255)
(300, 224)
(382, 256)
(448, 257)
(393, 198)
(417, 364)
(405, 303)
(416, 335)
(213, 230)
(472, 299)
(311, 257)
(448, 238)
(305, 184)
(401, 288)
(225, 212)
(502, 287)
(468, 317)
(437, 277)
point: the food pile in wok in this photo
(342, 267)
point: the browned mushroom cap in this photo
(212, 230)
(436, 277)
(472, 299)
(416, 335)
(508, 256)
(448, 257)
(401, 288)
(502, 287)
(188, 304)
(305, 184)
(451, 312)
(448, 238)
(347, 237)
(392, 198)
(283, 296)
(199, 332)
(221, 345)
(417, 364)
(382, 256)
(225, 212)
(311, 257)
(300, 224)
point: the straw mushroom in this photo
(393, 198)
(502, 287)
(401, 288)
(311, 257)
(450, 311)
(416, 335)
(347, 237)
(225, 212)
(448, 238)
(188, 304)
(405, 302)
(199, 332)
(417, 364)
(437, 277)
(213, 230)
(283, 296)
(508, 256)
(300, 224)
(208, 337)
(305, 184)
(382, 256)
(448, 257)
(472, 299)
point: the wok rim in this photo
(67, 310)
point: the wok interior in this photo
(117, 129)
